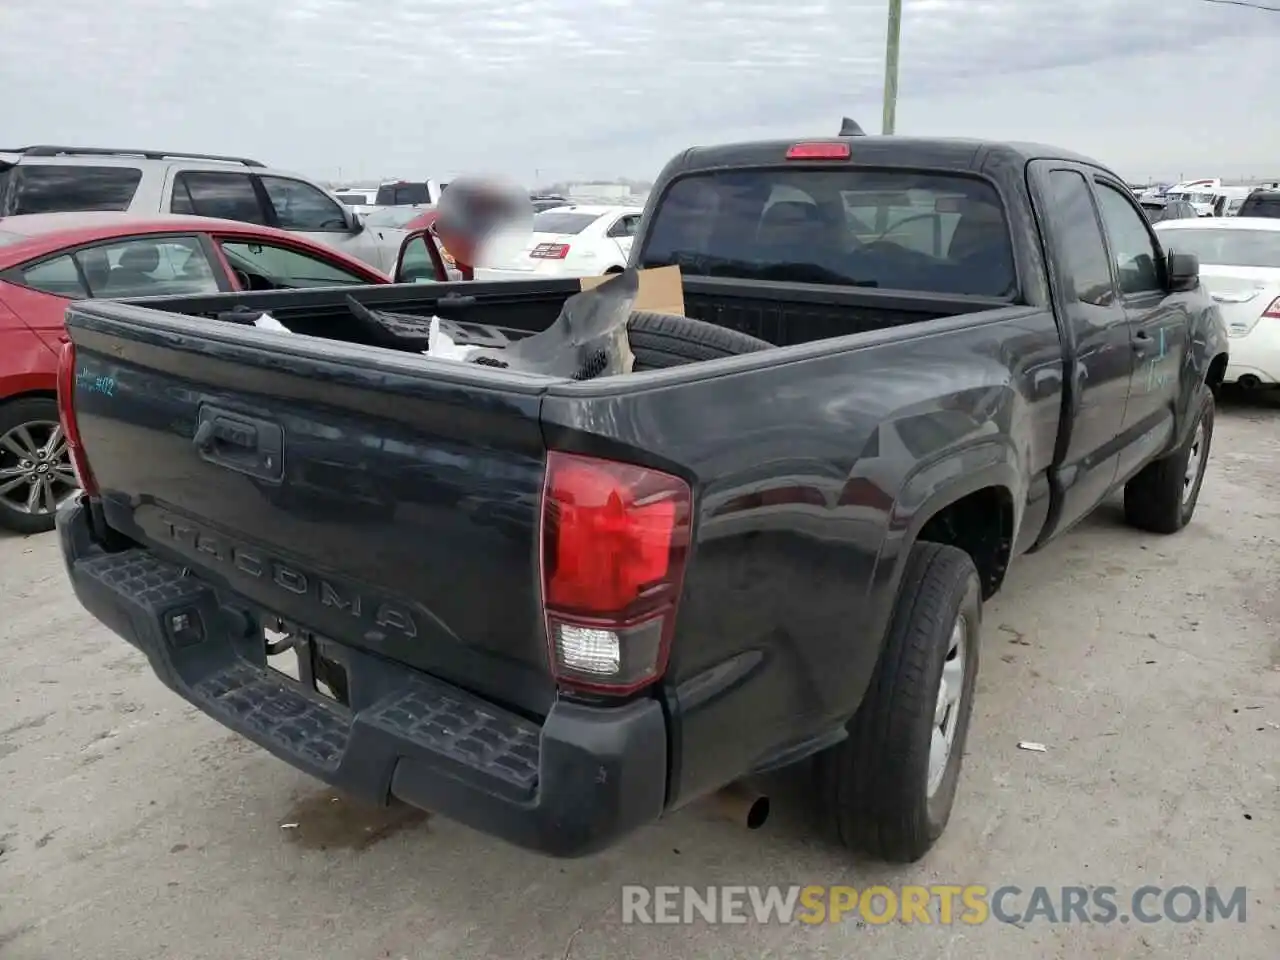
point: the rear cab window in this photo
(563, 222)
(398, 194)
(69, 188)
(1265, 205)
(887, 229)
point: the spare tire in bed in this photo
(668, 340)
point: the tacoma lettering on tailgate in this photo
(286, 577)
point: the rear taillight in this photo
(615, 538)
(67, 415)
(1273, 311)
(550, 251)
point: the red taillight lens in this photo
(67, 416)
(818, 151)
(614, 542)
(1273, 311)
(550, 251)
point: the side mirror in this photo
(357, 222)
(1184, 272)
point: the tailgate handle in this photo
(241, 443)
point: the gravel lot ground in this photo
(133, 827)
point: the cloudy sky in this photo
(582, 88)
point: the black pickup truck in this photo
(556, 609)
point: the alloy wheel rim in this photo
(35, 468)
(1195, 463)
(946, 714)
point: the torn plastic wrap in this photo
(588, 339)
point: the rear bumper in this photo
(583, 779)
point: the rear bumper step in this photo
(583, 779)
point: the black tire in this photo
(1161, 498)
(661, 340)
(874, 789)
(37, 414)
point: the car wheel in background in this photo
(661, 340)
(35, 468)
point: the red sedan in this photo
(47, 260)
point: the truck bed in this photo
(784, 314)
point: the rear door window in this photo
(563, 222)
(133, 267)
(54, 188)
(148, 267)
(893, 230)
(227, 196)
(1081, 245)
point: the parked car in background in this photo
(549, 203)
(401, 193)
(1263, 202)
(1240, 267)
(1199, 193)
(53, 179)
(358, 199)
(49, 260)
(572, 241)
(1159, 209)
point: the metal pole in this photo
(891, 67)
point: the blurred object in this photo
(482, 220)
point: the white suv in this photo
(53, 179)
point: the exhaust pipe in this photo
(741, 805)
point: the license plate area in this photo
(305, 660)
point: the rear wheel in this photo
(661, 340)
(889, 788)
(35, 466)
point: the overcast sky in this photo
(585, 88)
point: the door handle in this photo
(237, 442)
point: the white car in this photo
(571, 241)
(1240, 267)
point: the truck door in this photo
(1159, 324)
(1095, 326)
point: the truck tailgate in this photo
(297, 473)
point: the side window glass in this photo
(416, 266)
(268, 267)
(52, 188)
(227, 196)
(1136, 255)
(148, 267)
(300, 206)
(57, 276)
(1082, 243)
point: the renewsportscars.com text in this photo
(937, 904)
